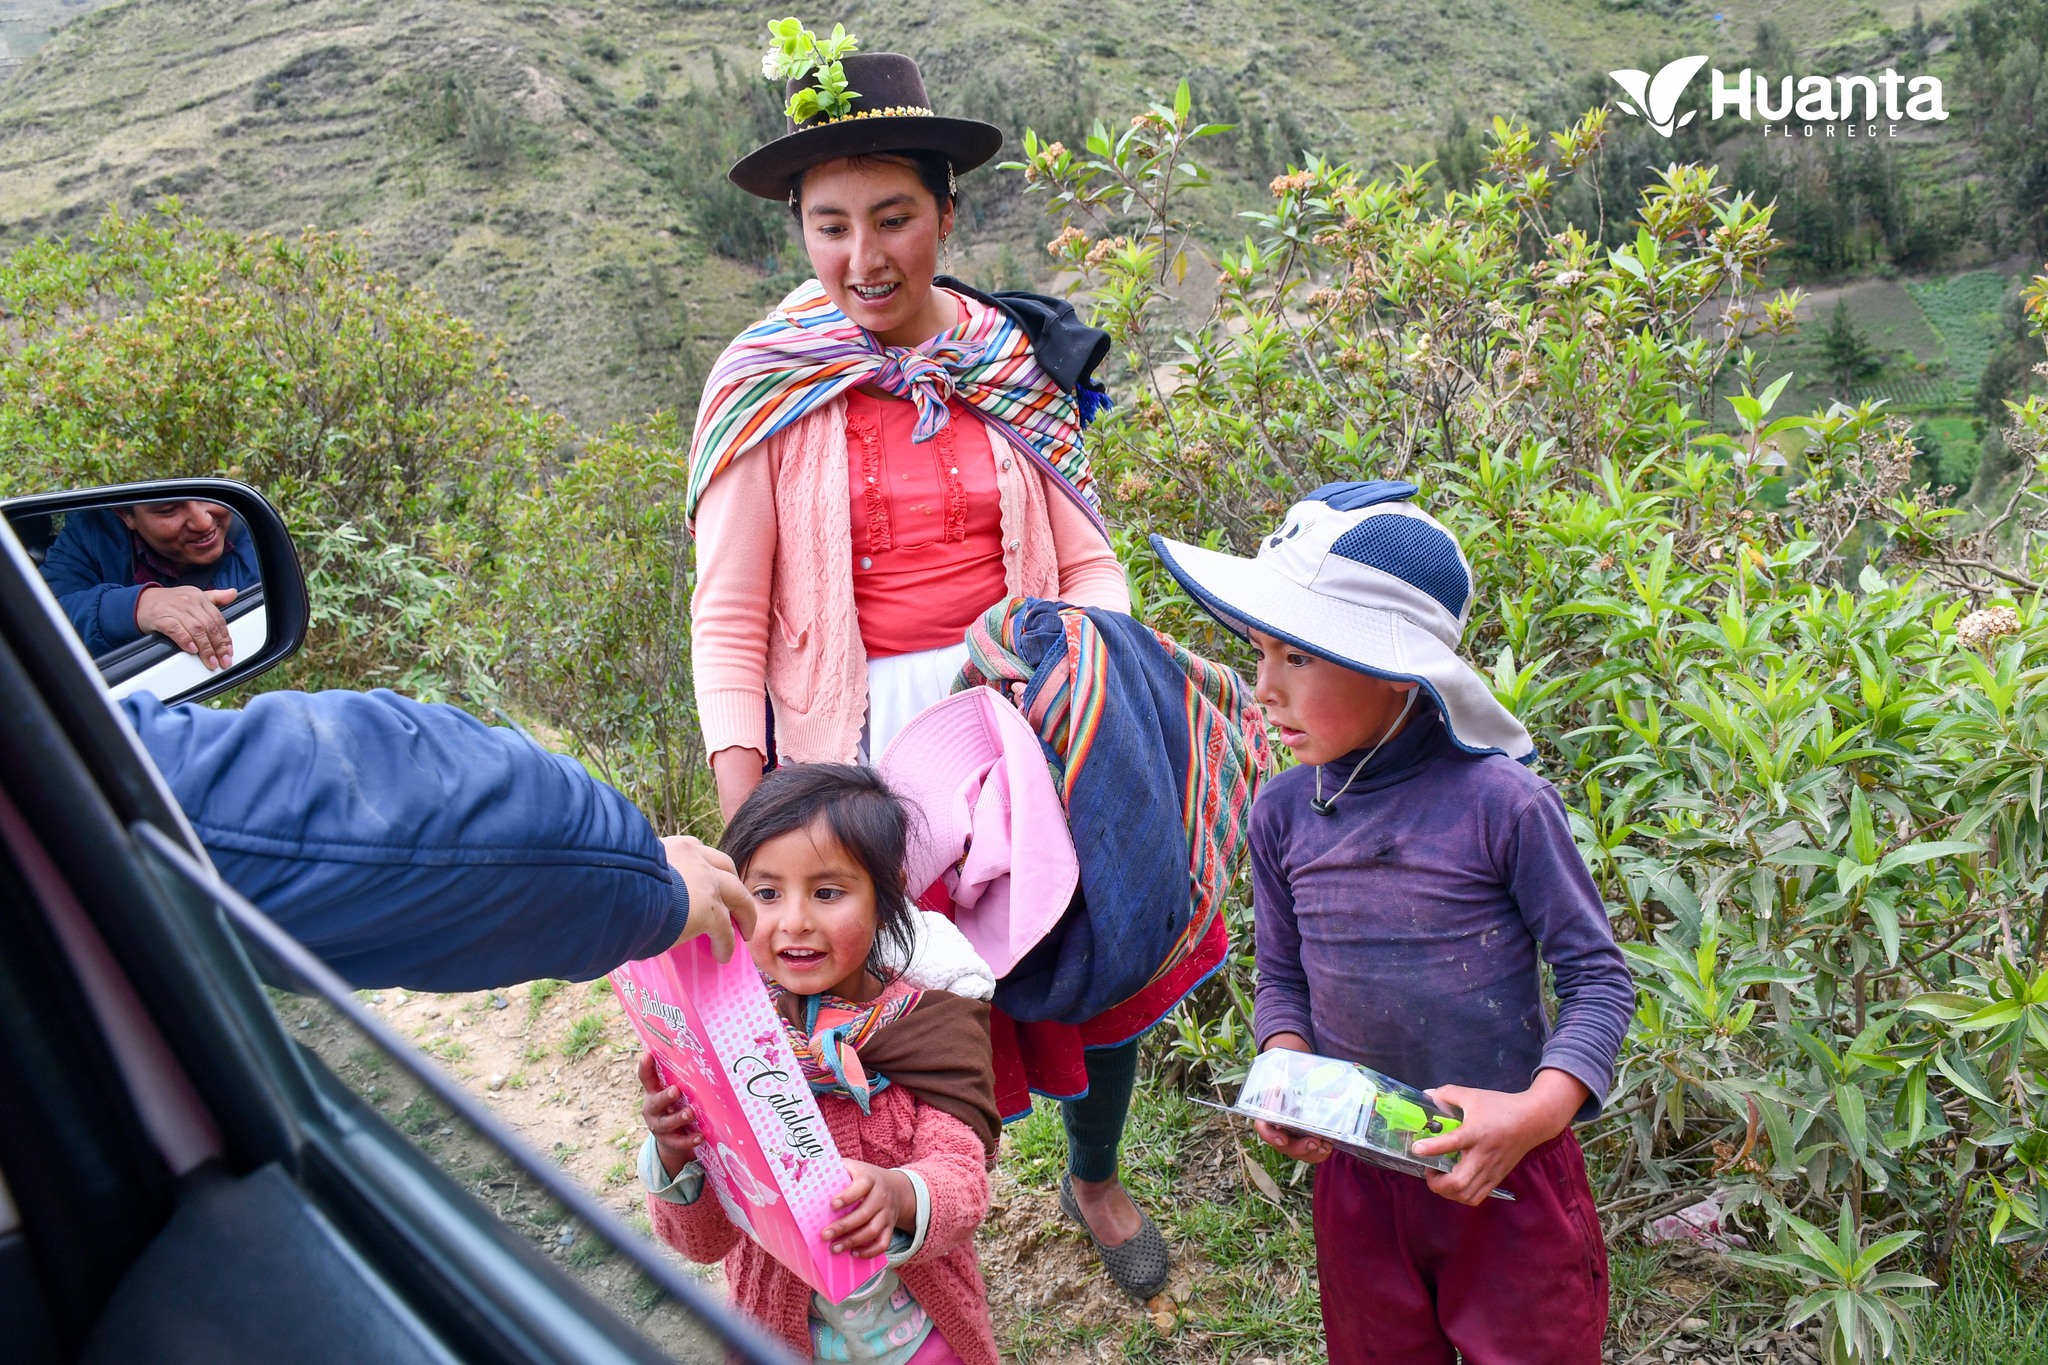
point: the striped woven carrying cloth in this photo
(1158, 753)
(806, 353)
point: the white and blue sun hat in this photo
(1361, 576)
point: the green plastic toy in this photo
(1404, 1117)
(1364, 1112)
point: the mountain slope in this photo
(552, 170)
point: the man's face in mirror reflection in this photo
(191, 534)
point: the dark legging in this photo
(1095, 1122)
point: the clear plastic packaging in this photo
(1364, 1112)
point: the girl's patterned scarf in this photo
(932, 1043)
(807, 352)
(830, 1034)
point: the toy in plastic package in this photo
(1364, 1112)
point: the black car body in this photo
(198, 1158)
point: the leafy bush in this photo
(447, 552)
(1804, 771)
(588, 624)
(378, 423)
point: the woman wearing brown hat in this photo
(883, 458)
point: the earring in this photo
(946, 253)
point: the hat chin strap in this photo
(1329, 807)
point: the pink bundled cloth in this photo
(987, 822)
(767, 1152)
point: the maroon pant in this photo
(1411, 1278)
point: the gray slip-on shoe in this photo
(1140, 1265)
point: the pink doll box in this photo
(766, 1150)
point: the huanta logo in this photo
(1656, 97)
(1808, 99)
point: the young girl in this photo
(902, 1076)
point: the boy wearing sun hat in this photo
(1406, 877)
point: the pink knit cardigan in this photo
(773, 611)
(901, 1130)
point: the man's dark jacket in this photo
(91, 571)
(410, 844)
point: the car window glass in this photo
(352, 1062)
(495, 1177)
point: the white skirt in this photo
(900, 686)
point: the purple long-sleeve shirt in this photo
(1402, 931)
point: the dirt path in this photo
(555, 1062)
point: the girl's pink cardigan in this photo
(773, 609)
(901, 1130)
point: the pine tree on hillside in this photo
(1846, 353)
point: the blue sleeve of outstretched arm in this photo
(409, 844)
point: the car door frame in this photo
(97, 802)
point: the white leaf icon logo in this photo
(1637, 84)
(1656, 97)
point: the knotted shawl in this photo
(1158, 753)
(806, 353)
(932, 1043)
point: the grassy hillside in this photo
(552, 171)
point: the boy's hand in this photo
(676, 1135)
(1498, 1128)
(1300, 1146)
(882, 1201)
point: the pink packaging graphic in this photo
(766, 1151)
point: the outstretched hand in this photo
(189, 618)
(1497, 1129)
(717, 896)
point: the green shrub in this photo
(1798, 716)
(377, 423)
(589, 624)
(449, 552)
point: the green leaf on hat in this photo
(795, 52)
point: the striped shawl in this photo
(806, 353)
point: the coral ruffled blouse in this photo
(927, 525)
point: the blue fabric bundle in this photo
(1123, 714)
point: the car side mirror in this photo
(181, 588)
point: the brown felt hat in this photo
(893, 114)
